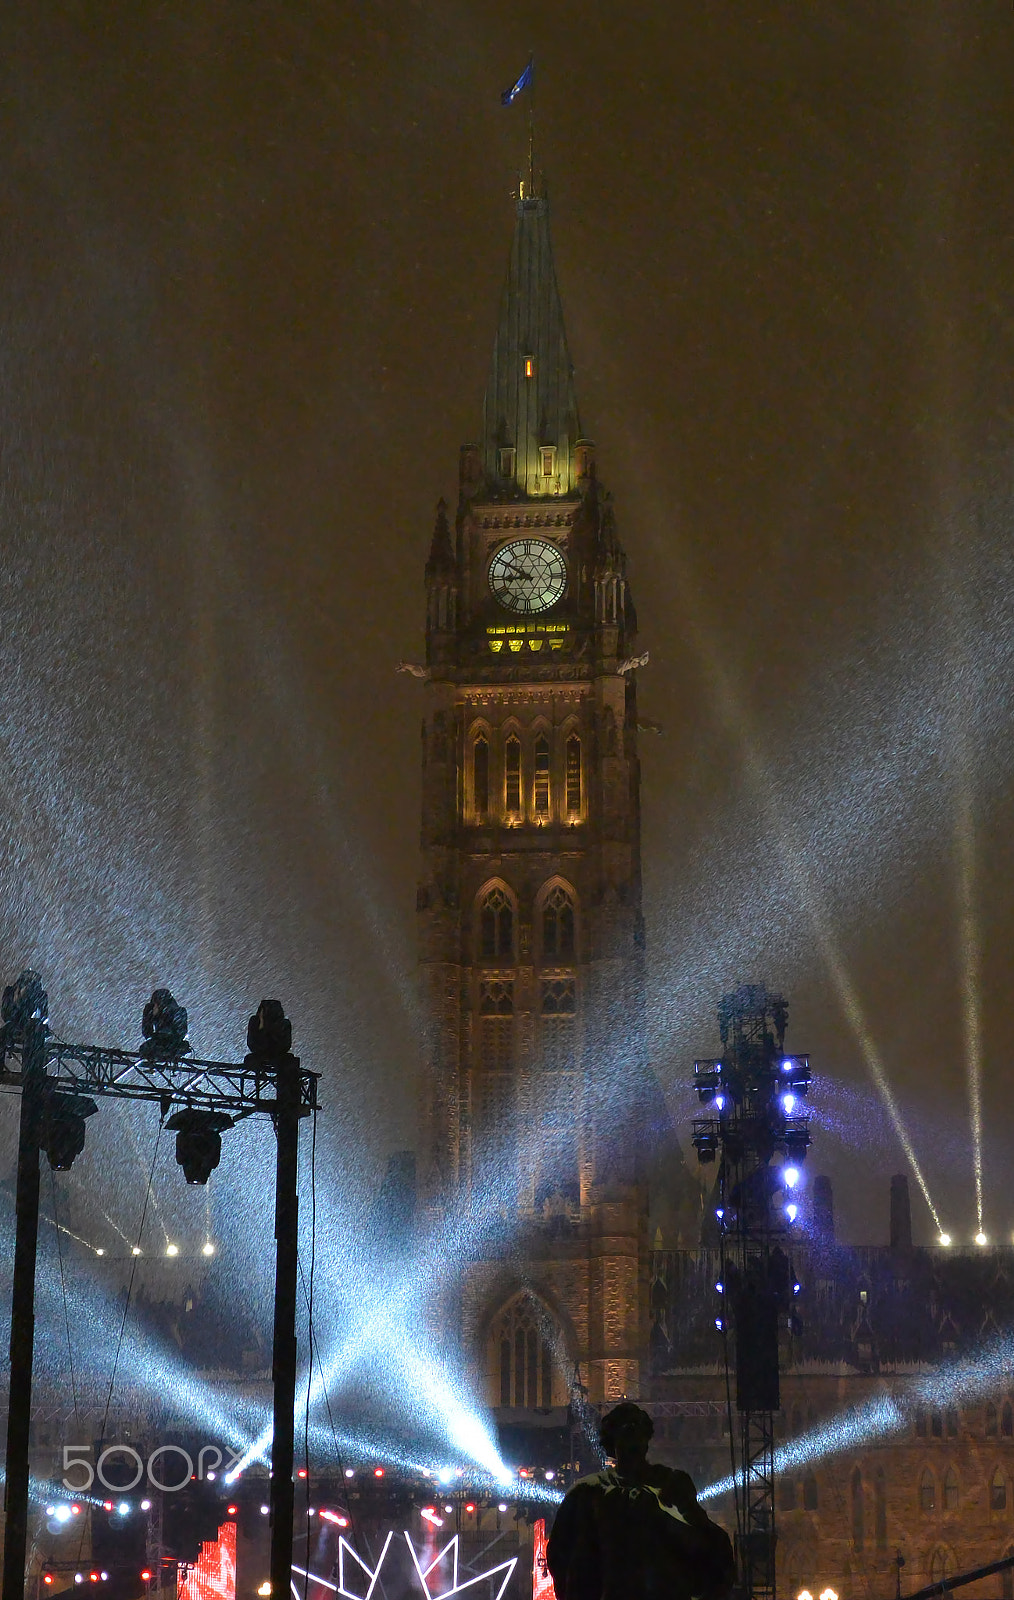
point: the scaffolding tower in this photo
(757, 1135)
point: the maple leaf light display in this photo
(432, 1581)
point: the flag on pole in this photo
(525, 81)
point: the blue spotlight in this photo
(786, 1066)
(792, 1212)
(790, 1177)
(788, 1104)
(720, 1101)
(720, 1287)
(719, 1324)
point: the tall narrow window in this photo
(787, 1494)
(559, 1009)
(998, 1491)
(480, 776)
(858, 1521)
(920, 1422)
(548, 460)
(505, 1372)
(507, 458)
(542, 776)
(880, 1509)
(950, 1490)
(990, 1420)
(952, 1420)
(941, 1565)
(1007, 1420)
(496, 927)
(558, 926)
(927, 1492)
(573, 776)
(811, 1498)
(512, 776)
(936, 1424)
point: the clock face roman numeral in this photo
(528, 575)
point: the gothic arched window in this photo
(952, 1420)
(480, 776)
(880, 1509)
(496, 927)
(920, 1422)
(927, 1491)
(950, 1490)
(990, 1420)
(941, 1565)
(541, 790)
(512, 777)
(1007, 1420)
(811, 1499)
(573, 775)
(858, 1520)
(936, 1424)
(998, 1491)
(558, 926)
(523, 1342)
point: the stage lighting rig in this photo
(753, 1094)
(57, 1081)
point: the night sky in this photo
(252, 256)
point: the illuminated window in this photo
(858, 1526)
(998, 1491)
(990, 1421)
(548, 453)
(559, 1010)
(558, 926)
(542, 776)
(496, 927)
(480, 776)
(880, 1509)
(512, 776)
(927, 1491)
(950, 1490)
(573, 776)
(508, 456)
(811, 1501)
(529, 367)
(523, 1338)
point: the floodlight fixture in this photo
(945, 1239)
(790, 1177)
(164, 1025)
(199, 1141)
(172, 1249)
(980, 1238)
(63, 1127)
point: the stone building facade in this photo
(541, 1125)
(535, 1084)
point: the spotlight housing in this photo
(199, 1141)
(164, 1025)
(63, 1127)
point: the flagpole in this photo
(531, 127)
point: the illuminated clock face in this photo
(528, 575)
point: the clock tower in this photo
(535, 1086)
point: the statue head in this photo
(625, 1432)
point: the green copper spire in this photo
(530, 420)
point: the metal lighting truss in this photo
(752, 1093)
(57, 1081)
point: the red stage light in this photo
(470, 1507)
(231, 1511)
(378, 1472)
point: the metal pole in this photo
(283, 1364)
(26, 1239)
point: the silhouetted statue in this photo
(635, 1530)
